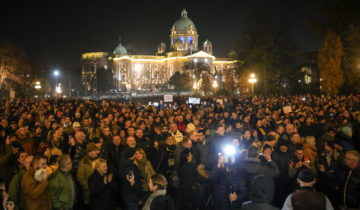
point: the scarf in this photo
(148, 202)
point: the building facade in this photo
(148, 72)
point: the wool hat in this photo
(306, 175)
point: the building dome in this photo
(120, 50)
(207, 43)
(184, 23)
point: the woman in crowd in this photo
(187, 174)
(145, 168)
(101, 186)
(158, 199)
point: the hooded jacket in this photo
(261, 195)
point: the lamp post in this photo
(215, 85)
(56, 74)
(252, 80)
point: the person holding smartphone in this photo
(129, 176)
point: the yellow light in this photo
(138, 67)
(252, 75)
(215, 84)
(161, 58)
(37, 86)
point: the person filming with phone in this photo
(129, 176)
(229, 183)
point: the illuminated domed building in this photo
(147, 72)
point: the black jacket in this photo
(350, 186)
(114, 155)
(254, 166)
(129, 194)
(261, 195)
(226, 183)
(101, 195)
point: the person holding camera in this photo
(129, 176)
(229, 183)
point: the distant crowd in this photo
(284, 152)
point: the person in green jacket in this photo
(61, 185)
(15, 191)
(86, 168)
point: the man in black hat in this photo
(306, 198)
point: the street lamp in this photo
(56, 74)
(252, 80)
(215, 85)
(37, 85)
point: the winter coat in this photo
(84, 172)
(282, 160)
(187, 176)
(146, 172)
(261, 195)
(113, 155)
(306, 198)
(7, 163)
(15, 192)
(129, 194)
(226, 183)
(311, 152)
(101, 195)
(26, 142)
(77, 152)
(327, 179)
(62, 190)
(254, 166)
(36, 194)
(350, 187)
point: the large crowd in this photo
(225, 153)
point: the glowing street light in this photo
(215, 85)
(252, 80)
(56, 74)
(37, 85)
(58, 89)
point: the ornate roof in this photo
(207, 43)
(120, 50)
(184, 23)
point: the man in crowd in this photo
(35, 191)
(350, 181)
(61, 185)
(306, 197)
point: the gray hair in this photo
(62, 160)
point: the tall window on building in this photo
(182, 39)
(190, 39)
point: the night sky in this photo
(55, 33)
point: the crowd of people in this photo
(225, 153)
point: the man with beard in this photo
(38, 137)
